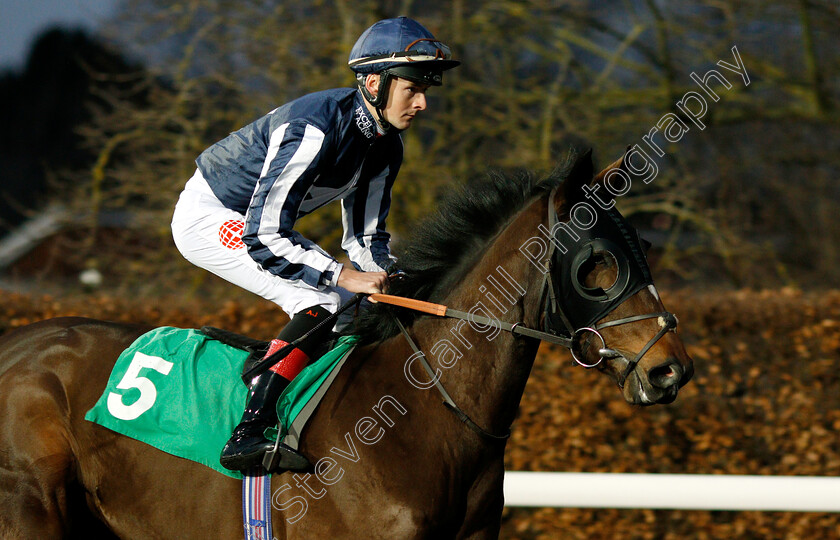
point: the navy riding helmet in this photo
(399, 47)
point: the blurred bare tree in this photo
(747, 198)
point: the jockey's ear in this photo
(372, 83)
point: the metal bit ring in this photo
(577, 333)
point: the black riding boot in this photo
(248, 445)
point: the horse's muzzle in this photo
(666, 375)
(657, 385)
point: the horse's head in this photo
(602, 295)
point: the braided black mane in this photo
(445, 244)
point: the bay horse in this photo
(390, 460)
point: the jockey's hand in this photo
(362, 282)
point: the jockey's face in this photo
(406, 98)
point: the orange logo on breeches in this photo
(230, 234)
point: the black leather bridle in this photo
(571, 309)
(558, 319)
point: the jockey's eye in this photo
(416, 89)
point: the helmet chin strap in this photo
(377, 101)
(386, 125)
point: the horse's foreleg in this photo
(485, 503)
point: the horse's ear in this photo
(618, 164)
(579, 175)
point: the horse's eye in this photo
(598, 259)
(604, 258)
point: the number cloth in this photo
(181, 392)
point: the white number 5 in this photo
(132, 379)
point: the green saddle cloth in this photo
(181, 392)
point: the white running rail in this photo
(673, 491)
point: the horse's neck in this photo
(492, 366)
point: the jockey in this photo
(236, 215)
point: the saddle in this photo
(255, 347)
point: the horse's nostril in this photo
(666, 375)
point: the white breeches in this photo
(209, 235)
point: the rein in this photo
(550, 306)
(443, 311)
(447, 399)
(668, 322)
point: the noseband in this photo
(667, 321)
